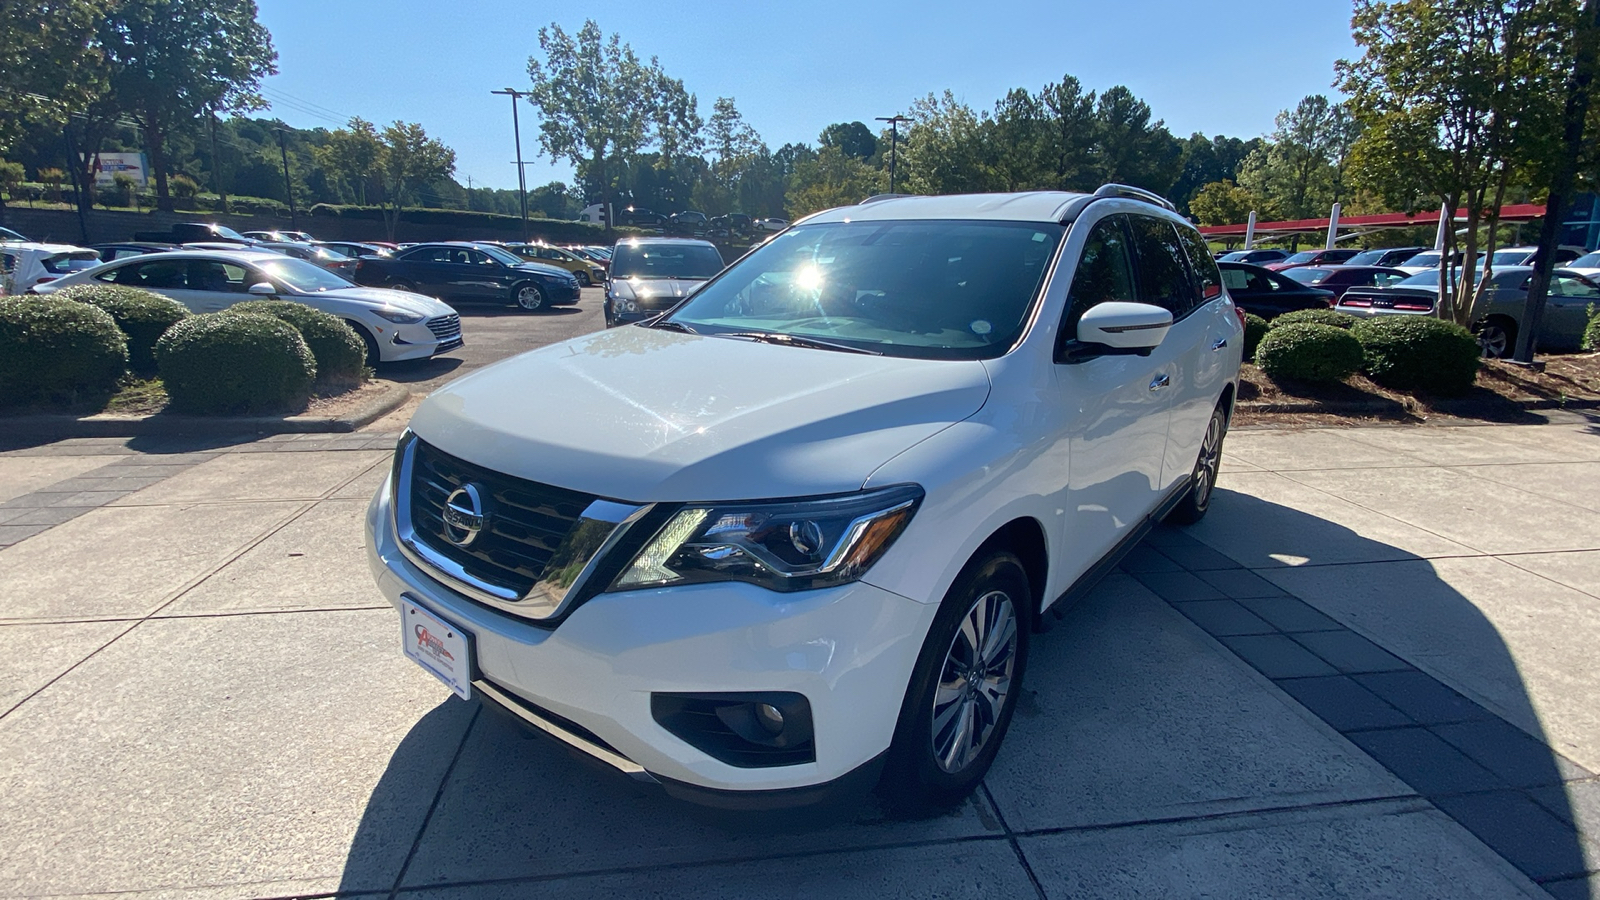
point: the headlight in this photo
(399, 316)
(784, 545)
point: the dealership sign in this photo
(133, 165)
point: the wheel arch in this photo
(1025, 537)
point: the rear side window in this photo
(1206, 276)
(1163, 276)
(1104, 273)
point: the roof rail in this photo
(876, 197)
(1130, 192)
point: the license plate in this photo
(437, 646)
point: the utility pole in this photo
(288, 186)
(522, 179)
(894, 140)
(216, 166)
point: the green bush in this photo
(143, 316)
(1315, 317)
(57, 350)
(1591, 333)
(1419, 353)
(1255, 328)
(1309, 352)
(235, 363)
(340, 353)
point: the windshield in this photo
(1429, 258)
(302, 276)
(647, 260)
(1429, 278)
(1236, 256)
(1307, 274)
(1510, 258)
(330, 255)
(924, 289)
(1304, 256)
(1591, 261)
(502, 256)
(7, 234)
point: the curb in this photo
(1444, 406)
(62, 426)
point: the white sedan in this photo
(395, 325)
(27, 265)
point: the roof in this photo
(1519, 212)
(663, 240)
(44, 248)
(1030, 206)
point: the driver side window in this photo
(1104, 273)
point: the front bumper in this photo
(849, 650)
(420, 340)
(562, 293)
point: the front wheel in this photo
(529, 297)
(584, 280)
(1497, 336)
(1203, 481)
(963, 690)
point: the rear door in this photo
(213, 285)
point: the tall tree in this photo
(48, 62)
(853, 139)
(600, 104)
(353, 154)
(1298, 171)
(947, 148)
(172, 60)
(409, 161)
(1223, 203)
(1450, 96)
(1129, 148)
(1019, 134)
(1070, 136)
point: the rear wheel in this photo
(963, 690)
(529, 297)
(406, 286)
(1497, 335)
(584, 280)
(1203, 480)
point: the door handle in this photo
(1219, 343)
(1159, 382)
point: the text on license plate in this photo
(437, 646)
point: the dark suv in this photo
(470, 273)
(651, 275)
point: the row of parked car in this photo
(1405, 281)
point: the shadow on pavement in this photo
(517, 806)
(416, 370)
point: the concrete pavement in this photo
(1369, 672)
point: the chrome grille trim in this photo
(445, 328)
(594, 533)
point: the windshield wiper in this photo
(789, 340)
(668, 325)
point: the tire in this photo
(406, 286)
(934, 763)
(1497, 335)
(528, 297)
(1203, 480)
(373, 356)
(584, 280)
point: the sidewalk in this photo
(1369, 672)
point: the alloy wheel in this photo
(1494, 340)
(974, 681)
(529, 297)
(1205, 468)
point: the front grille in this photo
(445, 328)
(525, 521)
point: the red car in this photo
(1314, 258)
(1339, 279)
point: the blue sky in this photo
(1216, 67)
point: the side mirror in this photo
(263, 289)
(1121, 328)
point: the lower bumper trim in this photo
(536, 718)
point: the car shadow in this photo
(414, 370)
(514, 805)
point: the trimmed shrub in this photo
(143, 316)
(222, 363)
(57, 350)
(1419, 353)
(340, 353)
(1309, 352)
(1255, 328)
(1315, 317)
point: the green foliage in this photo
(339, 352)
(1308, 352)
(1224, 203)
(184, 187)
(1299, 173)
(12, 174)
(1418, 353)
(1591, 332)
(1315, 317)
(141, 315)
(223, 363)
(1255, 328)
(57, 350)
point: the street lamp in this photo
(522, 180)
(288, 186)
(894, 139)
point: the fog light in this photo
(770, 718)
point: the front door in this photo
(1566, 312)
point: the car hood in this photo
(384, 297)
(543, 269)
(640, 414)
(647, 289)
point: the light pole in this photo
(522, 180)
(288, 186)
(894, 139)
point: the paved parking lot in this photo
(1370, 672)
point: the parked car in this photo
(194, 232)
(393, 324)
(1523, 256)
(1338, 279)
(27, 265)
(109, 252)
(801, 531)
(587, 273)
(355, 250)
(772, 224)
(1267, 293)
(1387, 256)
(1587, 265)
(1255, 257)
(639, 217)
(1427, 260)
(731, 225)
(1332, 257)
(1497, 317)
(470, 273)
(592, 255)
(281, 237)
(332, 260)
(688, 222)
(651, 275)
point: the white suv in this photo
(796, 533)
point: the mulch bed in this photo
(1504, 393)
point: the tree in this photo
(946, 148)
(1298, 172)
(409, 160)
(1019, 134)
(1451, 98)
(599, 103)
(1069, 141)
(1128, 148)
(47, 62)
(171, 60)
(1223, 203)
(352, 153)
(1207, 161)
(853, 139)
(831, 179)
